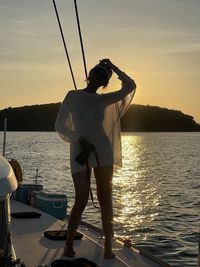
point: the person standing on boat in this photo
(91, 123)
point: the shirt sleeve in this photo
(128, 85)
(64, 125)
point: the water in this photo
(156, 194)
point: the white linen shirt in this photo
(95, 117)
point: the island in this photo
(138, 118)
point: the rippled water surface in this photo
(156, 194)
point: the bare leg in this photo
(81, 184)
(103, 177)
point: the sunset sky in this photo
(157, 42)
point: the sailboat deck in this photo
(34, 249)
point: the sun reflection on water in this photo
(135, 193)
(155, 194)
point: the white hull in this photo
(8, 182)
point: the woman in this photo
(90, 122)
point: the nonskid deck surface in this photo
(34, 249)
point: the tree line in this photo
(139, 118)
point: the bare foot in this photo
(109, 255)
(69, 252)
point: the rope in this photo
(81, 41)
(63, 39)
(89, 178)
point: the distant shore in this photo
(138, 118)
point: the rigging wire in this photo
(83, 55)
(80, 37)
(63, 39)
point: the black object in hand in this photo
(87, 148)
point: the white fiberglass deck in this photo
(34, 249)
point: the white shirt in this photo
(96, 117)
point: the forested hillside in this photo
(138, 118)
(150, 118)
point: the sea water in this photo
(156, 194)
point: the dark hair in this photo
(96, 69)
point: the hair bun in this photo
(105, 67)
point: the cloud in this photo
(166, 41)
(179, 48)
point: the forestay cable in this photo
(80, 37)
(84, 62)
(63, 39)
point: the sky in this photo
(156, 42)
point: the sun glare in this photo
(133, 189)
